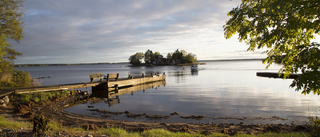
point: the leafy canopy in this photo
(11, 22)
(11, 28)
(287, 29)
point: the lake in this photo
(220, 92)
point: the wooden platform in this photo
(121, 82)
(276, 75)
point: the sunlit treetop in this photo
(286, 29)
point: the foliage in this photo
(11, 29)
(286, 28)
(136, 59)
(183, 57)
(316, 127)
(21, 79)
(150, 58)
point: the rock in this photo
(6, 99)
(88, 136)
(174, 113)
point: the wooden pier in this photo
(113, 96)
(103, 83)
(276, 75)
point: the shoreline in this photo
(53, 110)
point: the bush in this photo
(315, 127)
(21, 78)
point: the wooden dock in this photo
(276, 75)
(113, 96)
(106, 83)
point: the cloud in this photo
(76, 31)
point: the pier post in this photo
(116, 87)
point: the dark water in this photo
(222, 91)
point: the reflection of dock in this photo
(106, 84)
(112, 96)
(128, 90)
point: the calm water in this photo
(219, 89)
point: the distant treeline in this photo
(29, 65)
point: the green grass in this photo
(13, 125)
(39, 96)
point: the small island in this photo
(178, 57)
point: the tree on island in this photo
(150, 58)
(182, 57)
(11, 29)
(136, 59)
(286, 28)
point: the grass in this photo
(39, 96)
(13, 124)
(55, 127)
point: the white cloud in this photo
(111, 31)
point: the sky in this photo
(87, 31)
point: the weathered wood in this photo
(94, 76)
(129, 90)
(276, 75)
(136, 81)
(114, 76)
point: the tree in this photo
(286, 28)
(148, 57)
(183, 57)
(191, 58)
(11, 29)
(136, 59)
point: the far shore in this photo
(62, 64)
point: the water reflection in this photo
(112, 97)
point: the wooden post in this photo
(117, 77)
(116, 88)
(143, 75)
